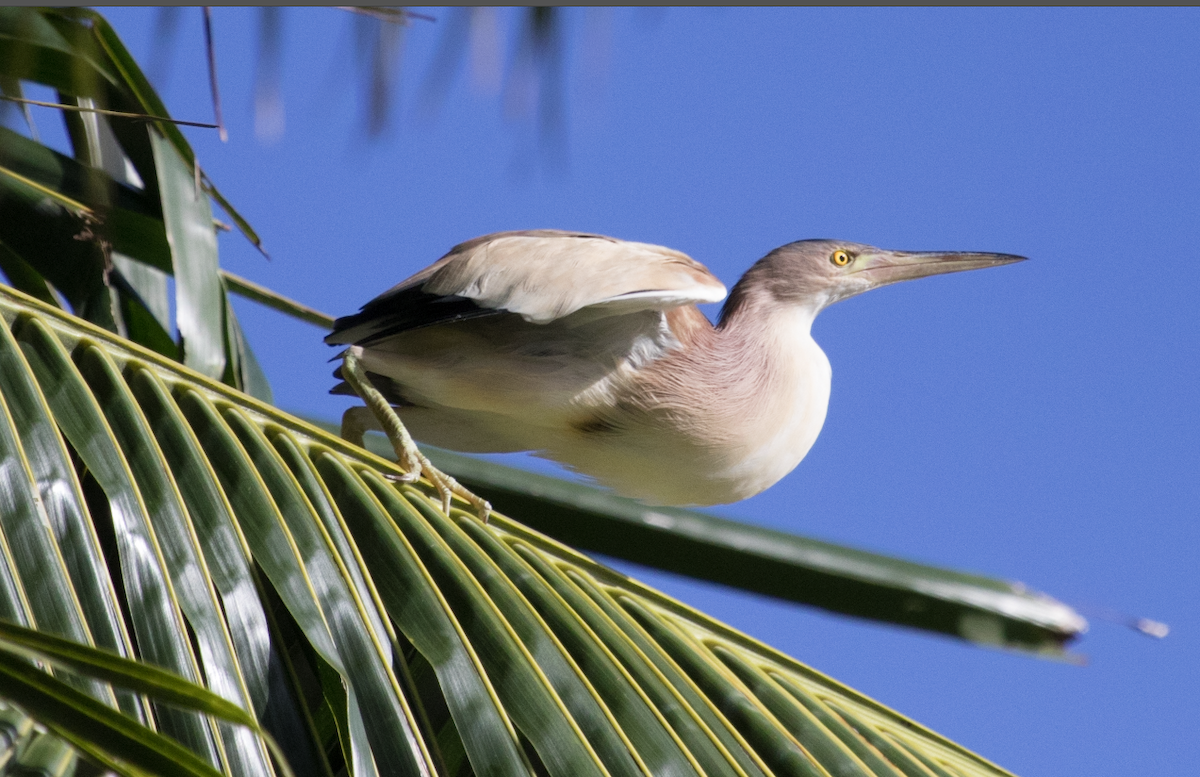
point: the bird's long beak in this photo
(883, 267)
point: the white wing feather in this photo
(545, 275)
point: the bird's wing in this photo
(540, 275)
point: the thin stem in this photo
(262, 295)
(212, 73)
(106, 112)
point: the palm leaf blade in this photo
(158, 624)
(527, 693)
(181, 554)
(754, 558)
(66, 711)
(198, 292)
(275, 550)
(421, 612)
(51, 598)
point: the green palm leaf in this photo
(837, 578)
(209, 534)
(106, 227)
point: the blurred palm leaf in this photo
(105, 229)
(184, 524)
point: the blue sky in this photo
(1036, 422)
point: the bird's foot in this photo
(447, 488)
(418, 465)
(379, 414)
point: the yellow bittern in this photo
(590, 351)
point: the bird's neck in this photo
(757, 321)
(754, 394)
(761, 354)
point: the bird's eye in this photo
(840, 258)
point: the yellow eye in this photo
(840, 258)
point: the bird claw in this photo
(447, 488)
(417, 466)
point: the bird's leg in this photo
(414, 463)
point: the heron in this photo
(590, 351)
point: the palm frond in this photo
(235, 546)
(848, 581)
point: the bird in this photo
(590, 351)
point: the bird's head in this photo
(818, 273)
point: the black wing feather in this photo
(405, 306)
(400, 310)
